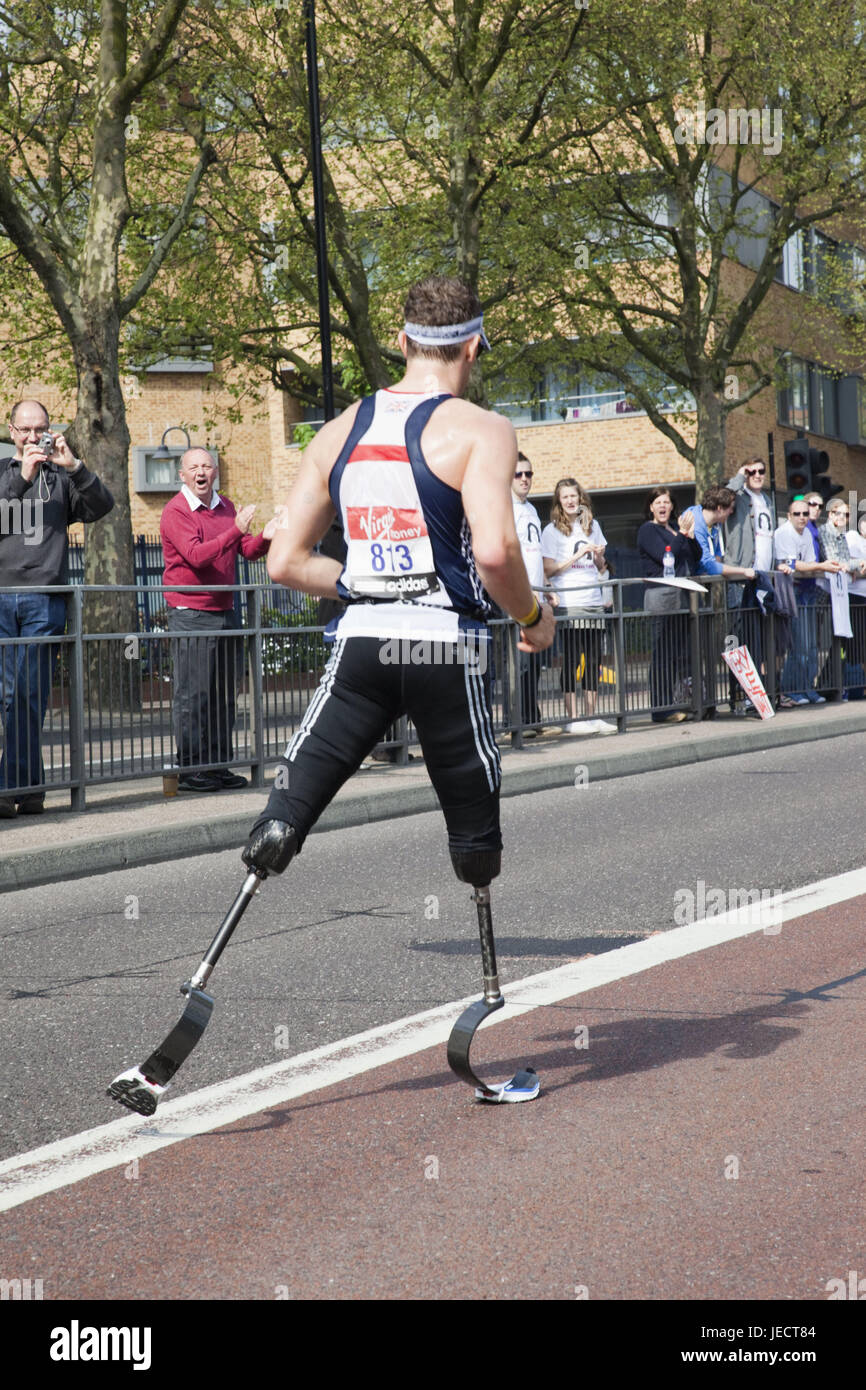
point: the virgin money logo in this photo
(385, 524)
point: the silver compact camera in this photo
(46, 444)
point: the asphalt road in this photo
(370, 924)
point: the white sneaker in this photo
(603, 726)
(584, 726)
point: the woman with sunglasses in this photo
(834, 543)
(857, 594)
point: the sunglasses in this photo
(524, 473)
(799, 514)
(756, 472)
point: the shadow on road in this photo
(613, 1047)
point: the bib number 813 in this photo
(400, 553)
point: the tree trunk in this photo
(101, 437)
(710, 443)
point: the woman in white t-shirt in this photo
(857, 595)
(573, 547)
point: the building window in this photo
(560, 393)
(825, 413)
(791, 271)
(810, 398)
(793, 398)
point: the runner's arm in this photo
(486, 493)
(310, 511)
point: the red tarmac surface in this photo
(617, 1183)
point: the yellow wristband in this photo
(532, 616)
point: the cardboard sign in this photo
(681, 584)
(746, 673)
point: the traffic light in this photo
(819, 462)
(798, 470)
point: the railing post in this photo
(75, 623)
(619, 652)
(510, 632)
(256, 682)
(770, 658)
(836, 665)
(696, 663)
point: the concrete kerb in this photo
(523, 773)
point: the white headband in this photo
(430, 335)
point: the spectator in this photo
(749, 545)
(528, 525)
(710, 514)
(42, 491)
(835, 541)
(835, 546)
(795, 556)
(201, 536)
(715, 507)
(857, 593)
(669, 665)
(573, 547)
(810, 596)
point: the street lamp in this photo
(162, 454)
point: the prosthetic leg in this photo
(478, 868)
(271, 848)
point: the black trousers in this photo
(362, 691)
(204, 664)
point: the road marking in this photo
(70, 1160)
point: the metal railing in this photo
(83, 708)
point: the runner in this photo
(421, 481)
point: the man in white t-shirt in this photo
(528, 524)
(749, 545)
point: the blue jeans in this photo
(25, 683)
(801, 666)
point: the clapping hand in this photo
(278, 522)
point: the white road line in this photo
(70, 1160)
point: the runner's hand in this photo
(540, 636)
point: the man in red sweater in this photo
(201, 535)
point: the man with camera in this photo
(44, 488)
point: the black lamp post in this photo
(319, 208)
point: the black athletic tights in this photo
(362, 691)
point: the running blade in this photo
(133, 1090)
(140, 1088)
(524, 1085)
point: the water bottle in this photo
(668, 566)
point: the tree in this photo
(738, 137)
(104, 150)
(433, 115)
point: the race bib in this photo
(389, 554)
